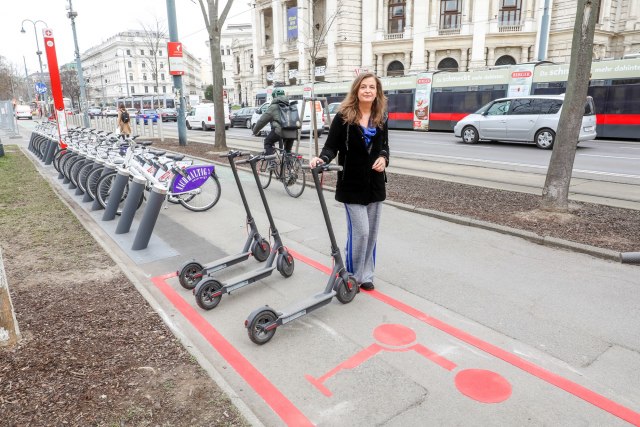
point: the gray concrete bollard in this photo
(630, 257)
(136, 188)
(115, 195)
(149, 218)
(51, 151)
(96, 204)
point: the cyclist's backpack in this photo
(124, 117)
(289, 120)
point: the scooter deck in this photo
(305, 306)
(225, 262)
(247, 278)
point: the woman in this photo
(359, 138)
(124, 122)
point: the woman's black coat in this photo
(357, 183)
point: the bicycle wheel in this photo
(65, 162)
(264, 173)
(92, 181)
(294, 178)
(83, 175)
(70, 164)
(103, 190)
(204, 197)
(74, 171)
(58, 158)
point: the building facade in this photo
(334, 40)
(133, 65)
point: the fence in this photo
(8, 119)
(110, 124)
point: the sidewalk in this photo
(466, 326)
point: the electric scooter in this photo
(262, 323)
(191, 272)
(209, 292)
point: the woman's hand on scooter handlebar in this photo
(315, 161)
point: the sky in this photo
(98, 20)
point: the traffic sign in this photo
(41, 88)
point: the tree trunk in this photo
(220, 143)
(555, 194)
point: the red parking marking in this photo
(483, 386)
(292, 415)
(282, 406)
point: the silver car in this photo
(522, 119)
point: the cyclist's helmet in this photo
(277, 92)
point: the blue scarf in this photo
(368, 133)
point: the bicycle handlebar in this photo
(323, 167)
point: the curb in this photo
(552, 242)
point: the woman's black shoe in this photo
(367, 286)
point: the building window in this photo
(133, 89)
(162, 76)
(144, 77)
(395, 69)
(224, 66)
(397, 16)
(237, 64)
(222, 51)
(146, 89)
(448, 64)
(510, 12)
(142, 52)
(144, 65)
(164, 89)
(131, 77)
(506, 60)
(159, 53)
(450, 14)
(224, 81)
(128, 52)
(162, 65)
(129, 64)
(251, 62)
(228, 51)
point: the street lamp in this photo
(83, 93)
(38, 52)
(126, 77)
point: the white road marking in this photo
(609, 157)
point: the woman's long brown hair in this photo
(350, 106)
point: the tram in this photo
(437, 100)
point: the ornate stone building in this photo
(398, 37)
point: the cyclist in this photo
(272, 115)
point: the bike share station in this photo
(393, 356)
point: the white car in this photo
(110, 112)
(23, 112)
(306, 120)
(523, 119)
(203, 117)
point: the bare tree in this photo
(70, 86)
(154, 38)
(555, 194)
(214, 23)
(7, 85)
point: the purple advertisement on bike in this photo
(196, 176)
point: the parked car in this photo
(23, 112)
(523, 119)
(203, 117)
(332, 109)
(168, 114)
(306, 120)
(242, 117)
(110, 112)
(144, 116)
(132, 112)
(94, 111)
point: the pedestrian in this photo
(272, 116)
(124, 124)
(359, 138)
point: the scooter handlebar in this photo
(323, 167)
(235, 153)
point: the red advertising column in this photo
(56, 86)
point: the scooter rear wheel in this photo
(285, 264)
(256, 333)
(260, 249)
(190, 275)
(346, 292)
(204, 292)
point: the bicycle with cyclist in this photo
(273, 116)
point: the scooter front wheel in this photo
(190, 275)
(260, 249)
(285, 264)
(346, 291)
(256, 330)
(205, 294)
